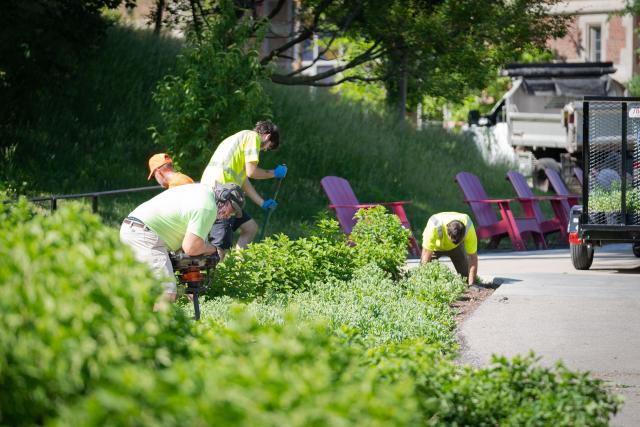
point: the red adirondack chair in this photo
(343, 200)
(487, 224)
(531, 206)
(561, 189)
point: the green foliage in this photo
(80, 345)
(215, 90)
(379, 238)
(43, 41)
(634, 85)
(610, 200)
(516, 392)
(74, 304)
(370, 306)
(281, 264)
(247, 374)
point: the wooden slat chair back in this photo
(344, 202)
(488, 225)
(561, 189)
(531, 206)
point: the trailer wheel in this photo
(539, 177)
(636, 249)
(581, 256)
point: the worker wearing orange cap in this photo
(161, 167)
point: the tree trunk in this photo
(196, 20)
(158, 17)
(402, 87)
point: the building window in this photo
(595, 44)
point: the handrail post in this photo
(94, 204)
(54, 204)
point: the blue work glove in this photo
(280, 172)
(269, 204)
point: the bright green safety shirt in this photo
(170, 214)
(227, 165)
(435, 236)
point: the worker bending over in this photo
(452, 234)
(161, 167)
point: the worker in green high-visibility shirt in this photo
(452, 234)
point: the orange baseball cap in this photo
(156, 161)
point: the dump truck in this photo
(541, 114)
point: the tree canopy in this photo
(415, 47)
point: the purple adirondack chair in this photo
(531, 206)
(343, 200)
(577, 172)
(487, 224)
(561, 189)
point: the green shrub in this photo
(247, 374)
(280, 264)
(74, 303)
(380, 238)
(215, 91)
(510, 393)
(371, 305)
(610, 200)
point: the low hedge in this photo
(280, 265)
(74, 303)
(80, 345)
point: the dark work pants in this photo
(458, 257)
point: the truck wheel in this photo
(539, 177)
(581, 256)
(636, 249)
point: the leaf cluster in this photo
(74, 304)
(215, 90)
(281, 264)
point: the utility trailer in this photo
(610, 210)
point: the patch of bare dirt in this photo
(471, 300)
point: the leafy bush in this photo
(248, 374)
(74, 303)
(603, 200)
(280, 264)
(516, 392)
(371, 305)
(215, 91)
(380, 238)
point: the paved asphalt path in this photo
(588, 319)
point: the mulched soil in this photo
(470, 300)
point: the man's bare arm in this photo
(193, 245)
(251, 192)
(473, 268)
(255, 172)
(426, 256)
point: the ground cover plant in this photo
(80, 345)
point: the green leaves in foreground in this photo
(282, 265)
(74, 304)
(80, 345)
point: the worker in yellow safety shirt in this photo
(161, 167)
(452, 234)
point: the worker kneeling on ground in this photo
(179, 218)
(161, 167)
(452, 234)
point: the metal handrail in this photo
(93, 195)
